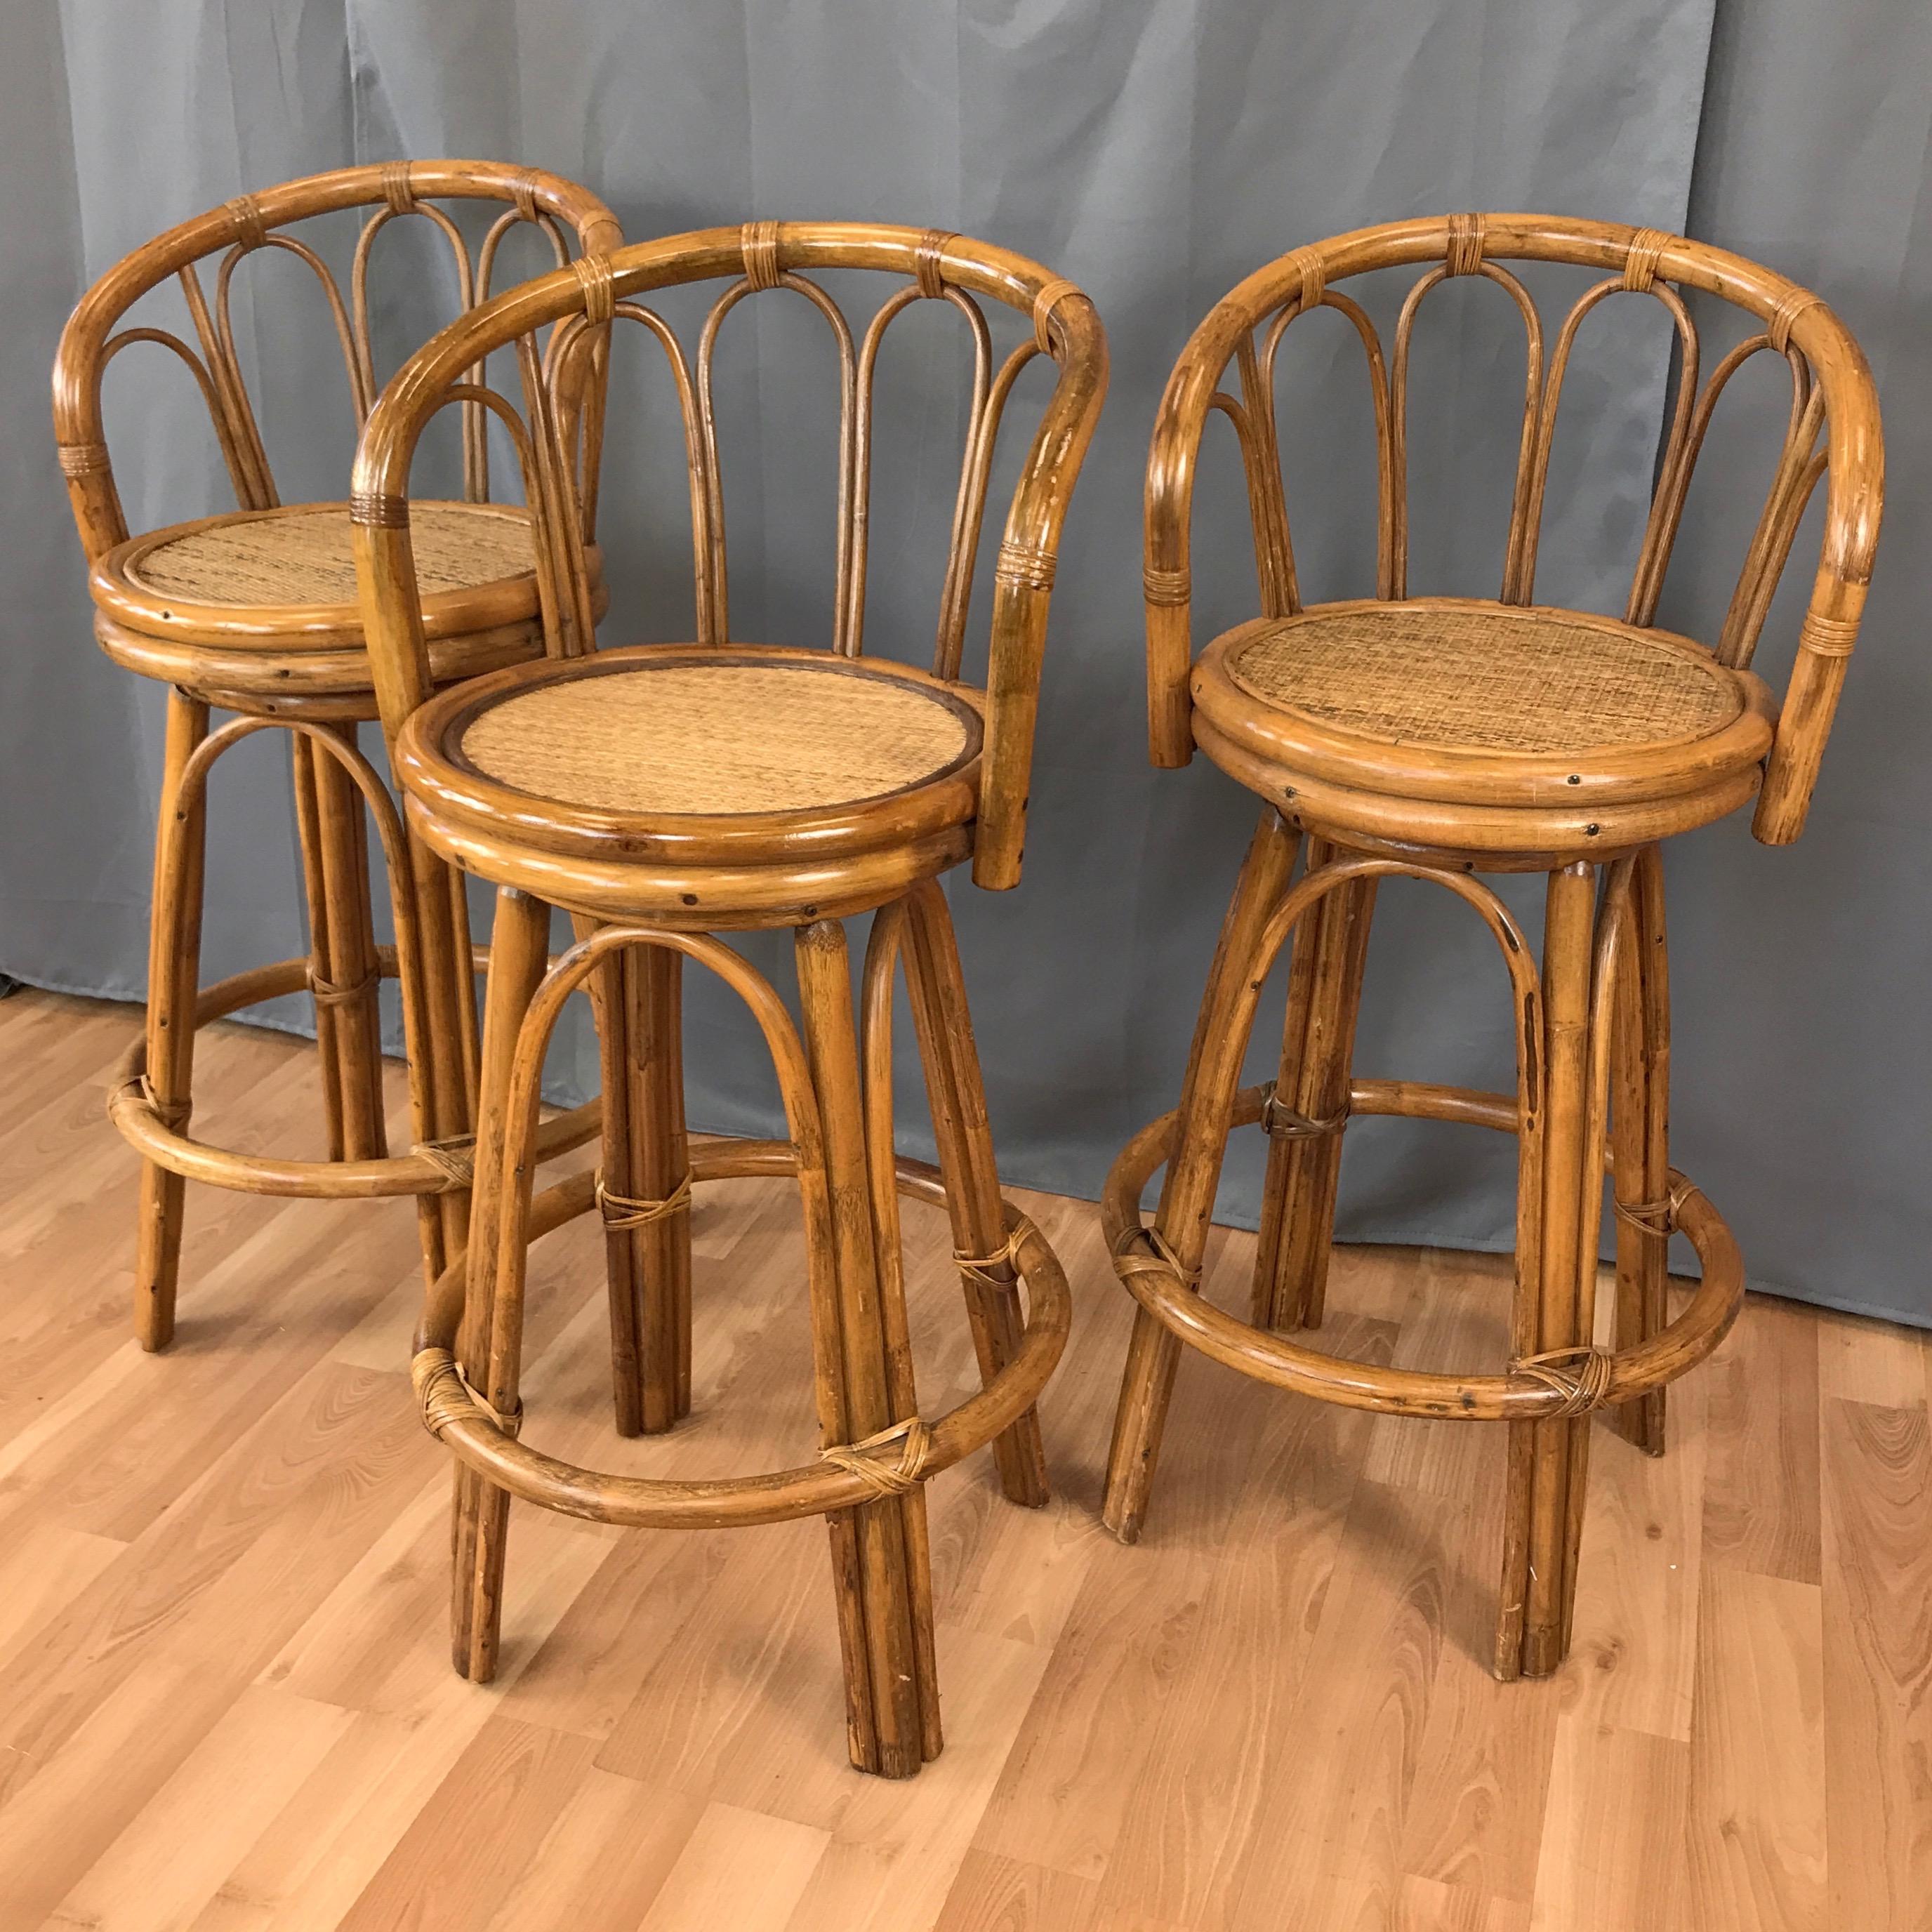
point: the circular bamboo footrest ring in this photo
(155, 1129)
(912, 1451)
(1535, 1389)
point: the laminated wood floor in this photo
(225, 1705)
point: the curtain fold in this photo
(1155, 151)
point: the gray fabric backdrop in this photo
(1155, 151)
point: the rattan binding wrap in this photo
(717, 739)
(1492, 679)
(302, 555)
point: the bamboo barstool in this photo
(664, 794)
(1437, 738)
(254, 612)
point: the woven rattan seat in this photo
(684, 735)
(1488, 677)
(301, 555)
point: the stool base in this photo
(835, 1076)
(1580, 1015)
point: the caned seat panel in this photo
(1492, 678)
(727, 737)
(301, 554)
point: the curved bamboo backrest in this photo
(585, 302)
(1831, 395)
(251, 222)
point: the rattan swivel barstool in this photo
(1437, 738)
(254, 612)
(664, 794)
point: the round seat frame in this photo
(1514, 809)
(702, 871)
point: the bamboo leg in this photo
(463, 975)
(1568, 934)
(315, 883)
(351, 972)
(636, 997)
(885, 1601)
(519, 954)
(958, 1100)
(1525, 1321)
(174, 972)
(447, 988)
(1193, 1170)
(1642, 1140)
(1304, 949)
(660, 1160)
(875, 1038)
(609, 1007)
(1610, 971)
(1319, 1092)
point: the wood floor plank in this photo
(116, 1470)
(1064, 1796)
(1761, 1405)
(1427, 1905)
(746, 1698)
(43, 1567)
(897, 1846)
(1756, 1825)
(1634, 1648)
(1362, 1710)
(1878, 1666)
(1018, 1573)
(172, 1857)
(1612, 1857)
(305, 1870)
(189, 1613)
(1455, 1318)
(1861, 1359)
(612, 1848)
(1198, 1797)
(991, 1894)
(1473, 1825)
(740, 1869)
(478, 1832)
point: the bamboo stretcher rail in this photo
(1267, 1356)
(812, 1489)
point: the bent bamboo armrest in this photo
(1023, 582)
(1169, 511)
(1855, 496)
